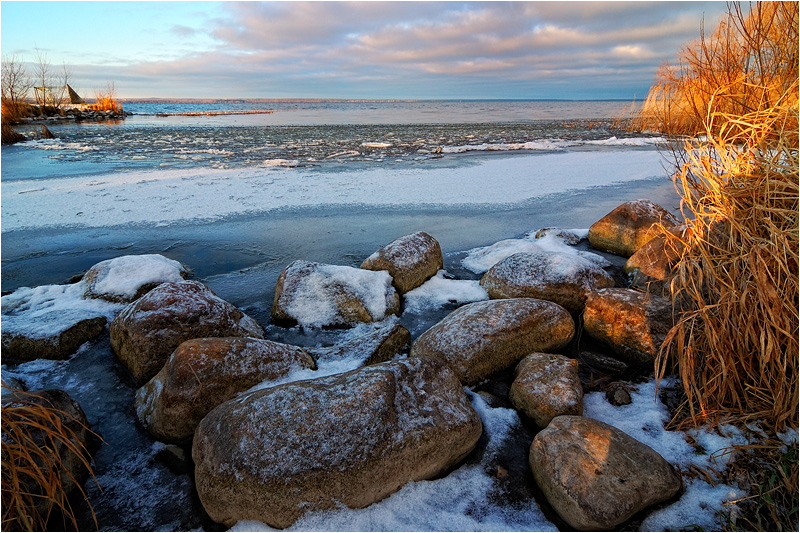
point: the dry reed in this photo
(735, 289)
(38, 449)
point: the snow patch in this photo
(440, 291)
(124, 276)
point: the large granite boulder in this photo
(203, 373)
(546, 386)
(633, 324)
(349, 439)
(563, 278)
(628, 227)
(482, 338)
(410, 260)
(126, 278)
(595, 476)
(376, 346)
(146, 332)
(55, 437)
(317, 295)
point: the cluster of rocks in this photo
(77, 113)
(270, 448)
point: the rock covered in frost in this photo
(595, 476)
(546, 386)
(563, 278)
(568, 236)
(349, 439)
(628, 227)
(147, 331)
(482, 338)
(51, 321)
(315, 294)
(633, 324)
(653, 262)
(410, 260)
(126, 278)
(376, 346)
(203, 373)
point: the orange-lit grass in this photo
(36, 445)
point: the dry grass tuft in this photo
(38, 448)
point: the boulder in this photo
(567, 236)
(348, 439)
(34, 414)
(563, 278)
(653, 262)
(126, 278)
(602, 362)
(546, 386)
(482, 338)
(57, 335)
(410, 260)
(317, 295)
(633, 324)
(595, 476)
(376, 346)
(203, 373)
(628, 227)
(147, 331)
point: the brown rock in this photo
(410, 260)
(628, 227)
(203, 373)
(482, 338)
(349, 439)
(547, 386)
(146, 332)
(595, 476)
(317, 295)
(633, 324)
(555, 276)
(654, 261)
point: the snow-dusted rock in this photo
(633, 324)
(629, 226)
(315, 294)
(410, 260)
(376, 346)
(482, 338)
(348, 439)
(146, 332)
(68, 465)
(567, 236)
(126, 278)
(595, 476)
(563, 278)
(546, 386)
(203, 373)
(51, 321)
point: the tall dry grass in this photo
(40, 448)
(731, 110)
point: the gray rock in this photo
(58, 335)
(377, 346)
(147, 331)
(595, 476)
(128, 277)
(559, 277)
(317, 295)
(349, 439)
(482, 338)
(203, 373)
(546, 386)
(410, 260)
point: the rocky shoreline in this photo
(269, 440)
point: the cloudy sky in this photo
(407, 50)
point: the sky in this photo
(370, 50)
